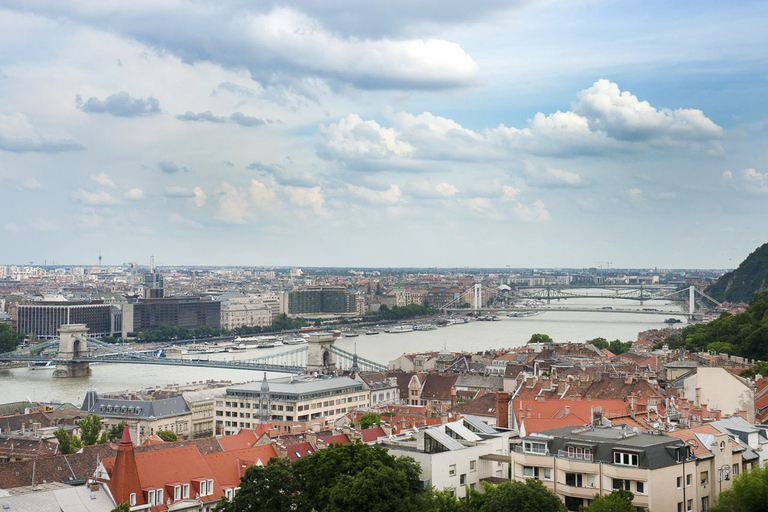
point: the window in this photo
(680, 506)
(203, 488)
(704, 477)
(210, 486)
(176, 492)
(689, 505)
(640, 487)
(619, 483)
(688, 479)
(574, 479)
(735, 470)
(537, 473)
(228, 494)
(151, 497)
(679, 482)
(132, 499)
(463, 479)
(625, 459)
(159, 496)
(705, 504)
(532, 447)
(452, 470)
(472, 465)
(186, 491)
(588, 453)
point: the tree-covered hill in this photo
(741, 284)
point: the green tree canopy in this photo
(9, 339)
(272, 487)
(540, 338)
(167, 435)
(369, 419)
(748, 494)
(116, 431)
(66, 443)
(514, 496)
(619, 500)
(123, 507)
(90, 427)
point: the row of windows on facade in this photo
(583, 479)
(316, 405)
(180, 492)
(577, 452)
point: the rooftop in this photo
(298, 386)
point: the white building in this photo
(244, 313)
(719, 389)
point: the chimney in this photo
(502, 410)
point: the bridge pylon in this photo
(72, 345)
(320, 357)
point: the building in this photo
(576, 463)
(44, 320)
(289, 402)
(144, 417)
(322, 299)
(456, 456)
(201, 406)
(718, 389)
(236, 314)
(183, 311)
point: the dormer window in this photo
(210, 486)
(535, 447)
(625, 458)
(176, 492)
(186, 491)
(132, 499)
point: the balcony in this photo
(519, 449)
(563, 454)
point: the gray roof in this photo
(444, 439)
(655, 451)
(473, 422)
(133, 409)
(57, 498)
(296, 387)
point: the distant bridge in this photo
(568, 309)
(73, 352)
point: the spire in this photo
(355, 368)
(124, 479)
(265, 384)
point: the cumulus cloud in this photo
(199, 197)
(170, 167)
(261, 195)
(390, 195)
(134, 194)
(306, 197)
(446, 189)
(233, 205)
(604, 120)
(31, 184)
(177, 192)
(756, 181)
(548, 176)
(103, 179)
(121, 104)
(17, 135)
(101, 197)
(535, 212)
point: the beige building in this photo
(576, 463)
(292, 402)
(201, 405)
(719, 389)
(245, 313)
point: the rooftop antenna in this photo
(99, 257)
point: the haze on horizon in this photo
(427, 134)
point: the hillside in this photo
(740, 285)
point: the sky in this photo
(554, 133)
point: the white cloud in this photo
(756, 181)
(103, 179)
(12, 228)
(509, 192)
(17, 135)
(101, 197)
(178, 192)
(199, 199)
(727, 175)
(31, 184)
(89, 219)
(177, 218)
(390, 195)
(363, 141)
(233, 205)
(536, 212)
(446, 189)
(311, 197)
(548, 176)
(262, 196)
(134, 194)
(635, 194)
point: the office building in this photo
(322, 299)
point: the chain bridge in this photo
(74, 351)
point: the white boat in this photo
(351, 335)
(371, 333)
(42, 365)
(425, 327)
(294, 341)
(401, 328)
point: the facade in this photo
(304, 401)
(719, 389)
(201, 407)
(576, 463)
(236, 314)
(186, 312)
(44, 320)
(144, 417)
(321, 299)
(457, 455)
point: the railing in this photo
(563, 454)
(519, 449)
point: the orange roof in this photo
(533, 425)
(243, 439)
(298, 450)
(372, 434)
(152, 440)
(556, 408)
(337, 439)
(179, 465)
(699, 450)
(228, 467)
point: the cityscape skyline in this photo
(547, 135)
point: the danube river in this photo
(562, 326)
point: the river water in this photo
(38, 385)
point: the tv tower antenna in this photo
(99, 257)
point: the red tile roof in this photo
(337, 439)
(370, 435)
(243, 439)
(228, 467)
(299, 450)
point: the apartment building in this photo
(289, 403)
(576, 463)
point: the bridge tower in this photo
(320, 359)
(478, 302)
(691, 301)
(72, 345)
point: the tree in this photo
(748, 494)
(325, 476)
(9, 340)
(116, 432)
(619, 347)
(66, 443)
(540, 338)
(619, 500)
(272, 487)
(123, 507)
(600, 343)
(518, 496)
(369, 419)
(90, 427)
(167, 435)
